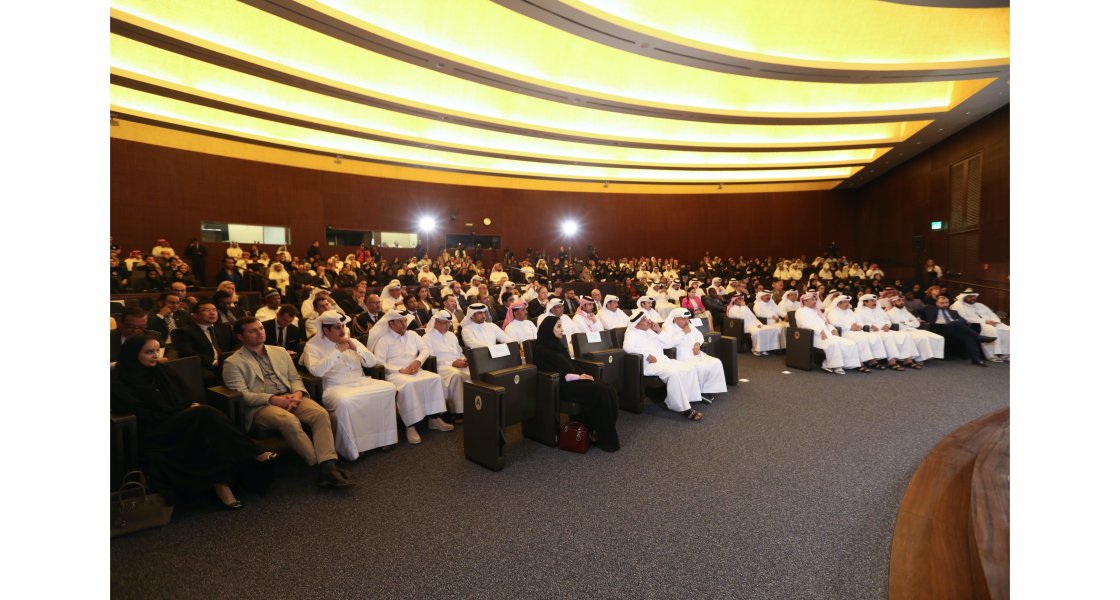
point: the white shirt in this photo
(479, 335)
(903, 318)
(521, 330)
(612, 319)
(672, 336)
(581, 323)
(444, 347)
(398, 351)
(336, 366)
(975, 312)
(764, 310)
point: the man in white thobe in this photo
(645, 304)
(990, 325)
(519, 327)
(681, 334)
(929, 344)
(611, 316)
(480, 333)
(843, 318)
(363, 407)
(767, 311)
(680, 379)
(419, 392)
(451, 363)
(839, 353)
(897, 344)
(764, 338)
(585, 320)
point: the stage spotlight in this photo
(427, 224)
(569, 227)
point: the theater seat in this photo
(596, 369)
(722, 347)
(736, 328)
(800, 353)
(604, 352)
(503, 392)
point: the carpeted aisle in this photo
(787, 489)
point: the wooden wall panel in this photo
(162, 192)
(902, 203)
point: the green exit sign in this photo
(936, 225)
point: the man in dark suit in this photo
(229, 271)
(282, 331)
(419, 316)
(571, 303)
(168, 315)
(369, 317)
(132, 324)
(949, 324)
(206, 339)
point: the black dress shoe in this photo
(979, 363)
(336, 480)
(986, 339)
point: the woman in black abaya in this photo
(598, 400)
(185, 447)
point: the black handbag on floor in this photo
(133, 508)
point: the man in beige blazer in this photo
(275, 398)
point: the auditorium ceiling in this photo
(619, 96)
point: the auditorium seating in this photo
(503, 392)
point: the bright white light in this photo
(427, 224)
(569, 227)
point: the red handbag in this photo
(574, 437)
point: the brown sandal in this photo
(693, 414)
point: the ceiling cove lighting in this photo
(853, 34)
(242, 32)
(159, 108)
(175, 72)
(508, 43)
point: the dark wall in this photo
(902, 203)
(162, 192)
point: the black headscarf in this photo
(546, 338)
(550, 353)
(128, 366)
(142, 390)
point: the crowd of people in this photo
(335, 317)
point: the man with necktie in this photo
(949, 324)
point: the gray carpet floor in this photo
(787, 489)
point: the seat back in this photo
(735, 328)
(480, 361)
(519, 381)
(185, 376)
(792, 316)
(583, 346)
(618, 335)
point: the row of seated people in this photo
(363, 407)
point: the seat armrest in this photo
(431, 365)
(376, 371)
(227, 401)
(591, 367)
(314, 386)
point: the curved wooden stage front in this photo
(952, 534)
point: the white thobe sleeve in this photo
(320, 363)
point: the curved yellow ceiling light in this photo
(492, 38)
(172, 111)
(156, 135)
(148, 64)
(847, 34)
(243, 32)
